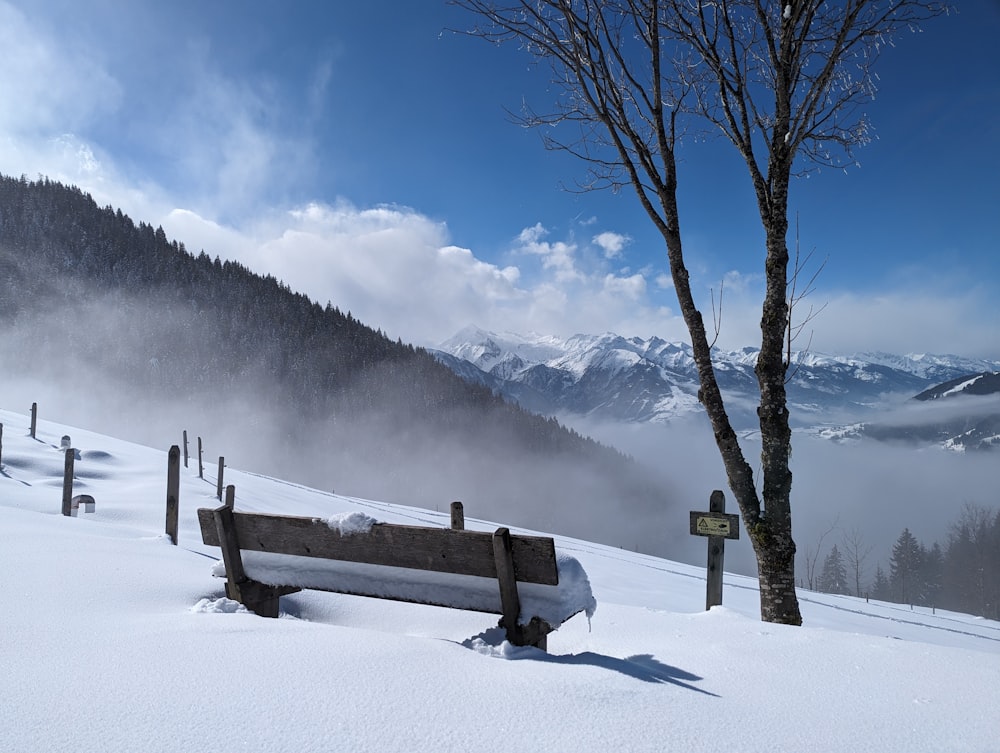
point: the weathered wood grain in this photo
(436, 549)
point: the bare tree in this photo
(782, 82)
(856, 552)
(812, 556)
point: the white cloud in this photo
(558, 257)
(395, 269)
(613, 244)
(49, 86)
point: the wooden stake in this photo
(201, 467)
(34, 419)
(173, 492)
(67, 497)
(230, 496)
(457, 516)
(218, 482)
(185, 448)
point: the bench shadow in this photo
(644, 667)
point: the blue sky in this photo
(361, 152)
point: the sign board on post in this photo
(717, 526)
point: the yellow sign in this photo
(712, 526)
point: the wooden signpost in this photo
(717, 526)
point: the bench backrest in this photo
(436, 549)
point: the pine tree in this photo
(833, 578)
(881, 589)
(904, 568)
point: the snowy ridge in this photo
(119, 641)
(652, 380)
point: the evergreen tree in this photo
(905, 569)
(881, 589)
(833, 577)
(931, 576)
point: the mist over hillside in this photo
(107, 322)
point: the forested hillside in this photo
(99, 310)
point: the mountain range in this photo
(615, 378)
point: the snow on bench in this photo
(522, 578)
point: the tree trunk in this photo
(772, 534)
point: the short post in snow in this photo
(67, 497)
(173, 491)
(185, 448)
(218, 483)
(457, 516)
(717, 526)
(1, 445)
(201, 466)
(230, 496)
(34, 419)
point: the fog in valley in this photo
(78, 362)
(875, 487)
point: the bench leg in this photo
(259, 598)
(535, 632)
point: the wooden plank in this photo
(435, 549)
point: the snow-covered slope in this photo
(115, 640)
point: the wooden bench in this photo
(422, 552)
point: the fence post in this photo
(230, 496)
(1, 445)
(457, 516)
(218, 483)
(34, 419)
(201, 467)
(185, 448)
(173, 491)
(67, 497)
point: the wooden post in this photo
(717, 526)
(218, 482)
(510, 602)
(230, 496)
(716, 555)
(457, 516)
(173, 492)
(185, 448)
(67, 497)
(34, 419)
(1, 445)
(230, 545)
(201, 467)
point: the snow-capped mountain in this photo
(651, 380)
(960, 414)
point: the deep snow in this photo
(115, 640)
